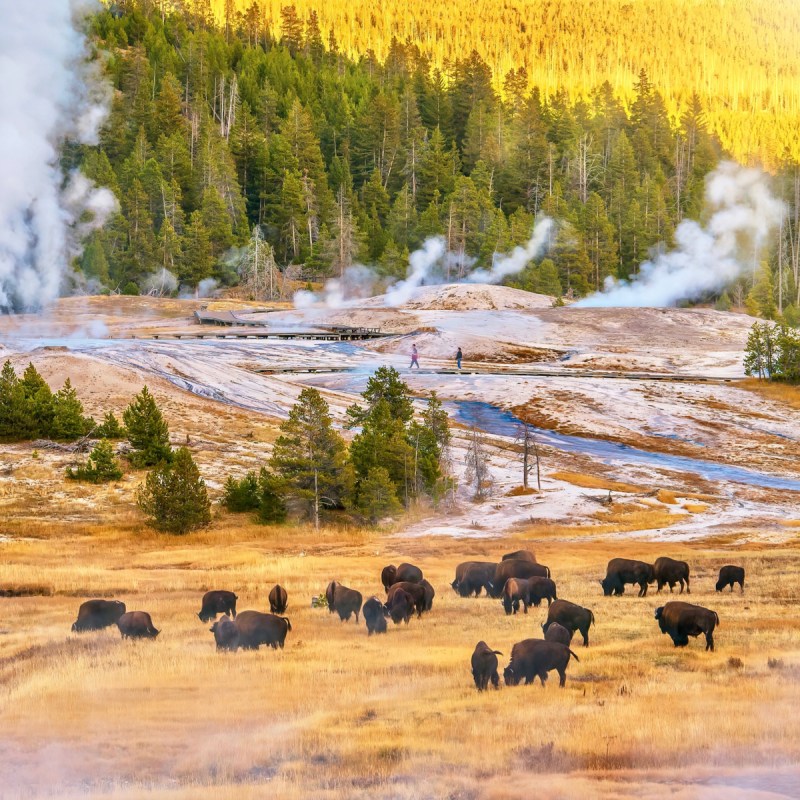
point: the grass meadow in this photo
(338, 714)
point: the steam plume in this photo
(51, 93)
(706, 258)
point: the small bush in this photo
(241, 495)
(130, 288)
(110, 428)
(735, 663)
(775, 663)
(261, 493)
(101, 466)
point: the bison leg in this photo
(543, 677)
(710, 641)
(642, 590)
(585, 633)
(495, 680)
(562, 678)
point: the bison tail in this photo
(74, 627)
(497, 652)
(547, 570)
(573, 655)
(288, 624)
(591, 614)
(716, 617)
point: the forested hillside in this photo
(222, 134)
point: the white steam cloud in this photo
(430, 265)
(707, 258)
(51, 93)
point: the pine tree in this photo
(311, 458)
(174, 496)
(271, 504)
(68, 420)
(110, 428)
(242, 494)
(147, 431)
(384, 384)
(101, 466)
(16, 423)
(377, 496)
(197, 261)
(39, 401)
(761, 299)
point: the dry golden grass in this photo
(666, 496)
(695, 508)
(596, 482)
(337, 714)
(780, 392)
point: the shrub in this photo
(68, 420)
(130, 288)
(110, 428)
(147, 431)
(262, 493)
(241, 495)
(174, 496)
(101, 466)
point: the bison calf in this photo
(571, 616)
(375, 616)
(342, 600)
(728, 575)
(682, 620)
(484, 666)
(558, 633)
(536, 657)
(94, 615)
(226, 634)
(217, 602)
(137, 625)
(278, 599)
(541, 589)
(405, 572)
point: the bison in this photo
(416, 590)
(669, 571)
(256, 628)
(541, 589)
(682, 620)
(484, 666)
(558, 633)
(515, 568)
(520, 555)
(217, 602)
(515, 592)
(627, 570)
(94, 615)
(572, 616)
(345, 602)
(536, 657)
(430, 593)
(226, 634)
(278, 599)
(399, 606)
(728, 575)
(405, 572)
(472, 576)
(375, 616)
(137, 625)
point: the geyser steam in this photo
(51, 94)
(707, 258)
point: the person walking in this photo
(414, 356)
(459, 356)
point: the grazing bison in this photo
(278, 599)
(399, 606)
(137, 625)
(430, 593)
(572, 616)
(345, 602)
(541, 589)
(217, 602)
(256, 628)
(472, 576)
(558, 633)
(375, 616)
(728, 575)
(226, 634)
(682, 620)
(405, 572)
(515, 592)
(626, 570)
(416, 590)
(94, 615)
(515, 568)
(484, 666)
(536, 657)
(669, 571)
(520, 555)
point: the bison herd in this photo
(516, 580)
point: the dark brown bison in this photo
(217, 602)
(626, 570)
(472, 576)
(515, 592)
(405, 572)
(558, 633)
(515, 568)
(572, 616)
(278, 599)
(137, 625)
(484, 666)
(520, 555)
(728, 575)
(345, 602)
(374, 615)
(256, 628)
(416, 590)
(226, 634)
(399, 606)
(536, 657)
(430, 593)
(541, 589)
(682, 620)
(669, 571)
(94, 615)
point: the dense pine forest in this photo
(237, 155)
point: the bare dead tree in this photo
(530, 454)
(478, 474)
